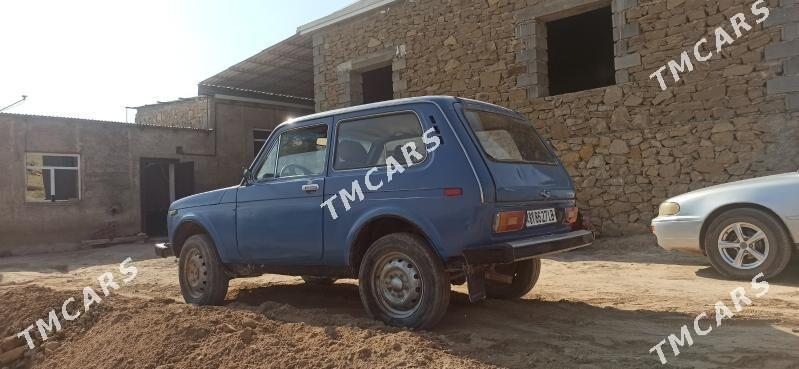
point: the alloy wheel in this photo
(743, 245)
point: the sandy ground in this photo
(602, 307)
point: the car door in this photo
(278, 215)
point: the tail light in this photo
(570, 215)
(509, 221)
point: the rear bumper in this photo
(163, 249)
(528, 248)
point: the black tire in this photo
(770, 263)
(320, 281)
(412, 274)
(203, 280)
(525, 274)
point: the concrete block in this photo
(790, 31)
(525, 29)
(620, 48)
(622, 76)
(782, 16)
(622, 5)
(628, 61)
(630, 30)
(791, 66)
(792, 102)
(781, 85)
(782, 50)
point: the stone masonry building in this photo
(580, 70)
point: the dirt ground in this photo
(602, 307)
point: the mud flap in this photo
(476, 282)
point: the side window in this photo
(301, 152)
(268, 168)
(369, 141)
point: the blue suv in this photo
(409, 196)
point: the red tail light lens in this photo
(570, 216)
(509, 221)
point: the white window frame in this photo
(52, 174)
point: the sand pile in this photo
(136, 333)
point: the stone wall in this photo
(186, 113)
(628, 146)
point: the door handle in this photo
(313, 187)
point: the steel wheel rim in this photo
(195, 273)
(743, 245)
(397, 285)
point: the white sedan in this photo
(744, 228)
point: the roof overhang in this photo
(282, 72)
(355, 9)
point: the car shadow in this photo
(538, 333)
(788, 278)
(630, 249)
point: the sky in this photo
(92, 58)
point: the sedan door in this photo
(278, 215)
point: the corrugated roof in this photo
(284, 71)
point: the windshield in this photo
(509, 139)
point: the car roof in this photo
(440, 100)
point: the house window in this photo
(259, 139)
(377, 85)
(580, 52)
(52, 177)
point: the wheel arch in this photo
(185, 230)
(373, 228)
(741, 205)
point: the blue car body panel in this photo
(274, 223)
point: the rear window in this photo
(509, 139)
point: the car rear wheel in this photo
(403, 283)
(203, 280)
(741, 243)
(512, 281)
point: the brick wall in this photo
(628, 146)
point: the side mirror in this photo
(246, 177)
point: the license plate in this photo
(541, 216)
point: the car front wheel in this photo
(403, 283)
(203, 280)
(741, 243)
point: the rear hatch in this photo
(523, 166)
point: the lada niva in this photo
(409, 196)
